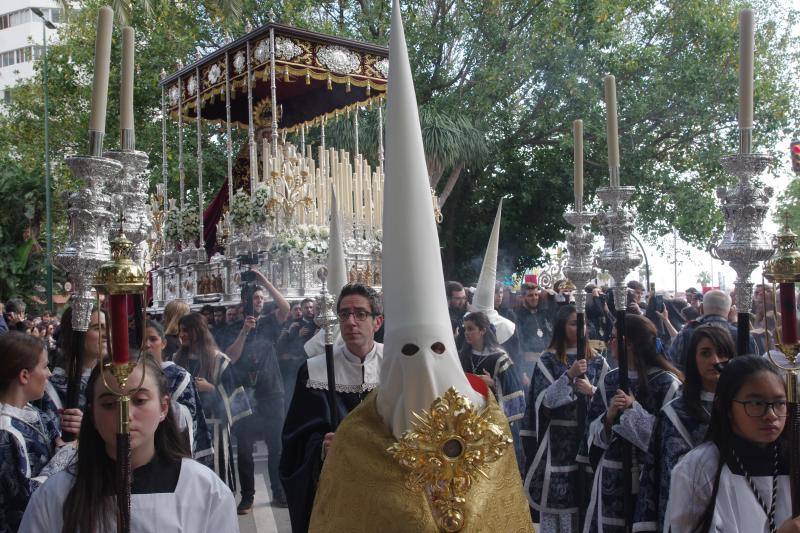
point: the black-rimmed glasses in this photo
(758, 408)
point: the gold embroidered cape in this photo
(362, 488)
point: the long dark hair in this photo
(640, 338)
(733, 377)
(88, 504)
(66, 339)
(693, 383)
(203, 345)
(558, 343)
(482, 322)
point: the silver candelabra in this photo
(579, 269)
(744, 206)
(619, 256)
(89, 215)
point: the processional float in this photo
(272, 212)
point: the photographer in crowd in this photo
(256, 365)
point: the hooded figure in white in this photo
(483, 300)
(420, 357)
(337, 278)
(420, 362)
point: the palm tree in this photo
(452, 143)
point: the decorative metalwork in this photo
(174, 95)
(129, 199)
(191, 85)
(382, 66)
(214, 74)
(619, 256)
(89, 216)
(338, 60)
(744, 206)
(239, 62)
(448, 448)
(578, 267)
(261, 53)
(286, 48)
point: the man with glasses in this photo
(308, 431)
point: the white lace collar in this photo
(352, 375)
(27, 414)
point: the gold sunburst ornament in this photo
(448, 448)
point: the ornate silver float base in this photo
(578, 267)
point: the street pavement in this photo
(264, 518)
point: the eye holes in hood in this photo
(409, 349)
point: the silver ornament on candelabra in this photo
(744, 245)
(129, 197)
(89, 216)
(579, 268)
(326, 303)
(619, 256)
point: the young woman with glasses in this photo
(738, 479)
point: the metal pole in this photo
(273, 92)
(47, 180)
(202, 242)
(229, 141)
(675, 257)
(646, 262)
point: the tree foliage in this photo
(498, 83)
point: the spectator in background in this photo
(14, 313)
(457, 307)
(173, 312)
(690, 313)
(511, 346)
(3, 324)
(599, 319)
(208, 312)
(291, 345)
(534, 327)
(714, 308)
(635, 293)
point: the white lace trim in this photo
(354, 389)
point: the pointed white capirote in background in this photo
(337, 277)
(483, 300)
(420, 359)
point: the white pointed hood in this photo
(416, 370)
(483, 300)
(337, 277)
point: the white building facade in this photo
(21, 39)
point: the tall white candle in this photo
(102, 62)
(611, 122)
(746, 59)
(577, 133)
(126, 88)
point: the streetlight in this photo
(47, 24)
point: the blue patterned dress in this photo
(552, 414)
(186, 405)
(57, 388)
(27, 442)
(676, 432)
(605, 513)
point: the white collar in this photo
(27, 414)
(706, 396)
(351, 373)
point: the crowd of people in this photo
(242, 374)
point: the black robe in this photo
(307, 422)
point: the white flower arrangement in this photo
(307, 240)
(246, 210)
(182, 225)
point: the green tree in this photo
(498, 84)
